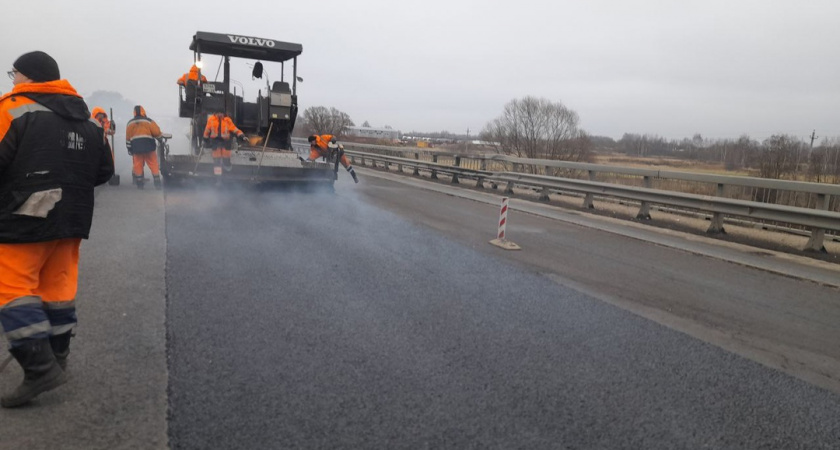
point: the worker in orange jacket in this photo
(141, 134)
(51, 157)
(194, 74)
(98, 114)
(190, 81)
(322, 146)
(218, 135)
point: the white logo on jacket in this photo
(74, 141)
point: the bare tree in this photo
(321, 120)
(778, 157)
(817, 165)
(538, 128)
(831, 161)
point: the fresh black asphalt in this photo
(300, 320)
(274, 319)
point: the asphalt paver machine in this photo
(268, 121)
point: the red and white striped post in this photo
(503, 218)
(501, 237)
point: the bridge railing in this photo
(807, 206)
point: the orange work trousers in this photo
(38, 284)
(315, 154)
(151, 159)
(221, 152)
(49, 270)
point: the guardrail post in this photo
(544, 191)
(361, 160)
(589, 200)
(509, 188)
(455, 175)
(416, 168)
(815, 242)
(434, 172)
(716, 226)
(644, 210)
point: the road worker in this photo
(98, 114)
(51, 157)
(323, 146)
(218, 134)
(192, 75)
(141, 134)
(190, 81)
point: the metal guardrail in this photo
(818, 218)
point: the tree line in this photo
(781, 156)
(538, 128)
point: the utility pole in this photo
(824, 157)
(468, 138)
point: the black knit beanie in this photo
(37, 66)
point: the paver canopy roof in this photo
(248, 47)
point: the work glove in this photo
(243, 138)
(301, 159)
(128, 147)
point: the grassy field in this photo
(682, 165)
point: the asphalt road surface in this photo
(379, 317)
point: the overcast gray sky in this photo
(721, 68)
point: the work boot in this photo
(41, 372)
(138, 181)
(60, 344)
(226, 164)
(158, 185)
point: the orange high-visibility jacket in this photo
(140, 132)
(191, 75)
(322, 141)
(106, 124)
(215, 129)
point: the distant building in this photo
(374, 133)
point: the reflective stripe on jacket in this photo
(140, 134)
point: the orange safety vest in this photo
(214, 129)
(191, 75)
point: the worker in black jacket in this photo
(51, 157)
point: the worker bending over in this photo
(322, 146)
